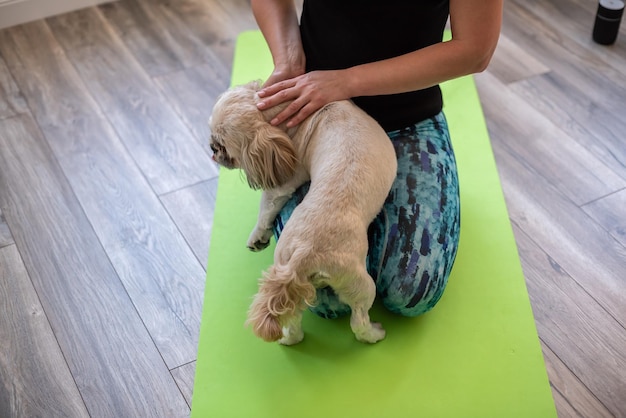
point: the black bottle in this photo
(608, 18)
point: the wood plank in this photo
(576, 19)
(571, 396)
(42, 72)
(511, 63)
(158, 38)
(568, 259)
(563, 407)
(34, 378)
(193, 93)
(214, 25)
(136, 232)
(5, 233)
(565, 55)
(11, 100)
(113, 360)
(593, 258)
(584, 94)
(138, 236)
(192, 210)
(535, 139)
(586, 121)
(160, 143)
(567, 322)
(587, 75)
(610, 212)
(17, 12)
(184, 376)
(149, 41)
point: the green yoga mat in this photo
(476, 354)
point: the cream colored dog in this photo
(351, 164)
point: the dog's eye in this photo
(216, 146)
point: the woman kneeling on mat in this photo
(389, 58)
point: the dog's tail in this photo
(282, 293)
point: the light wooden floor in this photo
(107, 190)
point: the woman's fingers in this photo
(277, 87)
(279, 93)
(302, 114)
(288, 114)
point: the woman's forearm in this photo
(475, 32)
(278, 21)
(414, 71)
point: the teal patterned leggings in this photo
(413, 241)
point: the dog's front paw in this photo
(259, 239)
(258, 245)
(372, 335)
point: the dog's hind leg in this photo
(359, 292)
(292, 329)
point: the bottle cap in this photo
(611, 9)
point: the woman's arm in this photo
(278, 21)
(475, 28)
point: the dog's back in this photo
(351, 161)
(352, 164)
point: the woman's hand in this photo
(280, 74)
(309, 92)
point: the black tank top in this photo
(338, 34)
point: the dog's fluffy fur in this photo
(351, 164)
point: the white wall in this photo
(14, 12)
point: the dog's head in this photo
(241, 138)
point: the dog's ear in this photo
(270, 159)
